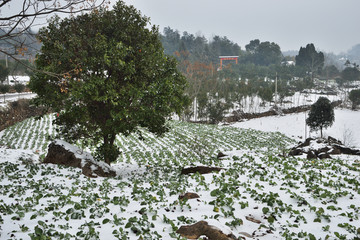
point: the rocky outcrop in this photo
(322, 148)
(63, 153)
(202, 228)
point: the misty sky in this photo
(332, 25)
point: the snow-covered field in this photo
(346, 127)
(259, 194)
(253, 104)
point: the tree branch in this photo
(14, 25)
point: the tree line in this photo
(259, 64)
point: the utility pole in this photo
(7, 66)
(276, 90)
(195, 109)
(305, 126)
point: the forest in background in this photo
(215, 91)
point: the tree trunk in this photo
(108, 148)
(107, 160)
(105, 146)
(321, 132)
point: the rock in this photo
(189, 195)
(63, 153)
(311, 155)
(332, 146)
(57, 154)
(323, 155)
(94, 169)
(335, 151)
(296, 152)
(252, 219)
(220, 155)
(346, 150)
(200, 169)
(203, 228)
(246, 235)
(332, 140)
(322, 150)
(306, 143)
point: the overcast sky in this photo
(332, 25)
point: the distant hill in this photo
(354, 54)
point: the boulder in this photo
(189, 195)
(63, 153)
(202, 228)
(57, 154)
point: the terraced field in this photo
(260, 193)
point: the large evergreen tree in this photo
(109, 76)
(350, 74)
(321, 115)
(310, 59)
(262, 53)
(354, 97)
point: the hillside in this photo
(258, 194)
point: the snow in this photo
(301, 194)
(346, 127)
(18, 79)
(79, 153)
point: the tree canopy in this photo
(197, 48)
(321, 115)
(263, 53)
(4, 72)
(350, 74)
(354, 97)
(310, 59)
(17, 18)
(110, 76)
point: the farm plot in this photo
(29, 134)
(259, 193)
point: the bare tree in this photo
(17, 17)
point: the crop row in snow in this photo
(259, 192)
